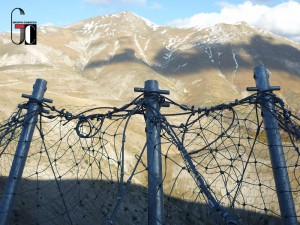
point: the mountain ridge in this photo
(200, 66)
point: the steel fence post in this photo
(33, 109)
(155, 187)
(280, 172)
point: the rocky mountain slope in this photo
(105, 57)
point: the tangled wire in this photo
(91, 167)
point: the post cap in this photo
(151, 86)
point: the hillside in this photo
(84, 61)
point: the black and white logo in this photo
(27, 30)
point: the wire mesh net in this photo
(90, 166)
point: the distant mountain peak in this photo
(124, 13)
(132, 17)
(124, 20)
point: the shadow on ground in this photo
(93, 202)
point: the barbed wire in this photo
(91, 165)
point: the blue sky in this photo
(182, 13)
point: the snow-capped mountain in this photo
(103, 58)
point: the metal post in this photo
(155, 187)
(282, 182)
(33, 109)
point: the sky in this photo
(281, 17)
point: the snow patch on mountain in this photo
(180, 66)
(115, 49)
(216, 34)
(146, 45)
(88, 27)
(168, 56)
(197, 82)
(141, 51)
(209, 53)
(172, 43)
(236, 65)
(150, 24)
(43, 30)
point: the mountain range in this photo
(100, 60)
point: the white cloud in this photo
(282, 19)
(261, 0)
(100, 2)
(113, 2)
(156, 5)
(134, 1)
